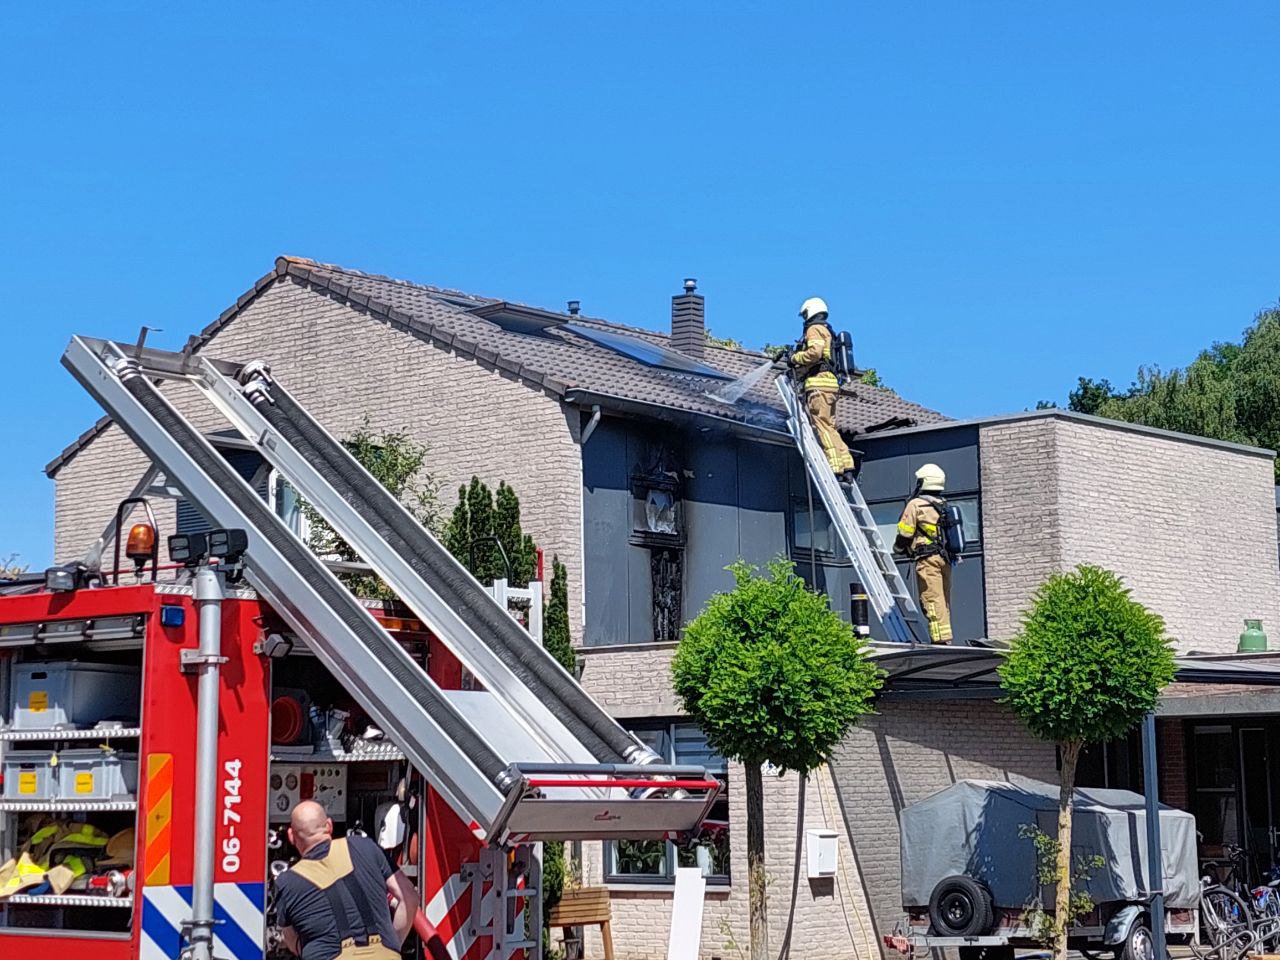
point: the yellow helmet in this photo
(931, 477)
(812, 309)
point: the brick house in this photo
(646, 488)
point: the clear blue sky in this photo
(993, 197)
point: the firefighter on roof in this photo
(922, 536)
(813, 361)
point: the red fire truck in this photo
(160, 723)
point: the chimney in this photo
(689, 321)
(575, 307)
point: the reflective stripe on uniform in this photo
(906, 530)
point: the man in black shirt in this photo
(333, 903)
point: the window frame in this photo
(671, 853)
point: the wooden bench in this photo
(586, 907)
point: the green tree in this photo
(396, 461)
(555, 621)
(519, 546)
(469, 526)
(772, 675)
(1231, 391)
(1089, 664)
(1089, 395)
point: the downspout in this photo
(590, 428)
(575, 846)
(208, 660)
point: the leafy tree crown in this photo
(1090, 661)
(396, 461)
(771, 673)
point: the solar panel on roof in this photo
(647, 353)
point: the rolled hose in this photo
(267, 525)
(597, 731)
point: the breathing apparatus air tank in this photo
(954, 528)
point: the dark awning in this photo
(921, 672)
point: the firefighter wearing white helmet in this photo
(922, 537)
(812, 361)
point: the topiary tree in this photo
(772, 675)
(519, 546)
(1088, 666)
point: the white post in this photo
(686, 914)
(535, 610)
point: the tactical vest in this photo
(335, 876)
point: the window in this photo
(887, 512)
(822, 538)
(886, 516)
(1216, 794)
(286, 503)
(654, 861)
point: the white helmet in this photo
(931, 478)
(812, 309)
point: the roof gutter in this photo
(640, 408)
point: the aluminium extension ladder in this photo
(851, 517)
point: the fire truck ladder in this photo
(531, 756)
(852, 519)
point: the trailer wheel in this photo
(961, 907)
(1139, 945)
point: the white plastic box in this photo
(70, 694)
(824, 852)
(96, 773)
(29, 775)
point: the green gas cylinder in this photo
(1253, 640)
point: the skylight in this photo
(649, 354)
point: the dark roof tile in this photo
(560, 360)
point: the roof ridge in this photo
(487, 299)
(397, 281)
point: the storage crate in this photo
(29, 775)
(70, 693)
(97, 773)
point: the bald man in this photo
(333, 903)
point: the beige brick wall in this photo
(631, 682)
(831, 920)
(345, 365)
(909, 751)
(1190, 527)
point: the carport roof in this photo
(921, 672)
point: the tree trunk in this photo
(1062, 896)
(757, 896)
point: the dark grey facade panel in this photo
(606, 512)
(891, 463)
(738, 500)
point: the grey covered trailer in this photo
(973, 828)
(977, 829)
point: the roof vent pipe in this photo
(575, 307)
(689, 321)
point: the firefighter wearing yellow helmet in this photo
(812, 361)
(922, 537)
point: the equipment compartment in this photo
(69, 693)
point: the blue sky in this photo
(993, 197)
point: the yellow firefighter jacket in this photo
(920, 524)
(817, 348)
